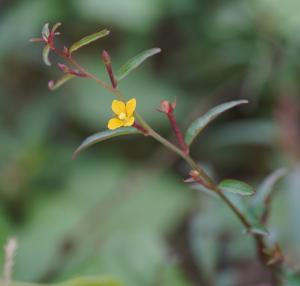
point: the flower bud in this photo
(165, 107)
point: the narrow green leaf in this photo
(55, 85)
(264, 191)
(46, 52)
(199, 124)
(135, 62)
(84, 281)
(97, 281)
(256, 226)
(236, 187)
(104, 135)
(88, 39)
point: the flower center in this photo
(122, 116)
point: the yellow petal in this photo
(130, 107)
(129, 121)
(118, 107)
(114, 123)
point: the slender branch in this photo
(177, 132)
(144, 127)
(168, 109)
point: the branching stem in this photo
(145, 128)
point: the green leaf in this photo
(256, 226)
(84, 281)
(101, 281)
(88, 39)
(46, 52)
(236, 187)
(136, 62)
(264, 191)
(104, 135)
(199, 124)
(55, 85)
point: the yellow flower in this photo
(124, 114)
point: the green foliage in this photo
(236, 187)
(135, 62)
(229, 50)
(263, 196)
(85, 281)
(104, 135)
(89, 39)
(199, 124)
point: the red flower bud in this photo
(167, 107)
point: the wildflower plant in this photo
(253, 214)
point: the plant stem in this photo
(177, 132)
(144, 127)
(260, 242)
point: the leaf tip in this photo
(244, 101)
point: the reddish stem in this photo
(140, 128)
(177, 132)
(108, 66)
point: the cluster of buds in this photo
(48, 36)
(167, 107)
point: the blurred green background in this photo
(121, 209)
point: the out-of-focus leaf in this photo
(100, 281)
(267, 186)
(236, 187)
(46, 52)
(135, 62)
(88, 39)
(256, 226)
(199, 124)
(243, 132)
(104, 135)
(55, 85)
(291, 279)
(84, 281)
(264, 191)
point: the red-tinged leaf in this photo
(46, 52)
(104, 135)
(136, 62)
(55, 85)
(88, 39)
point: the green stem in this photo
(261, 246)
